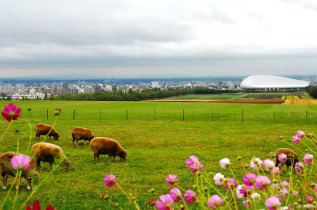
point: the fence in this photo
(180, 115)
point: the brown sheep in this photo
(106, 146)
(6, 170)
(81, 133)
(292, 157)
(44, 129)
(47, 152)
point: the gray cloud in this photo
(141, 38)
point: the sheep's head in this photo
(67, 164)
(56, 136)
(123, 155)
(92, 136)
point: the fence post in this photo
(100, 114)
(242, 116)
(74, 114)
(306, 116)
(126, 115)
(47, 114)
(183, 115)
(154, 114)
(212, 116)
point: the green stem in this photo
(5, 132)
(17, 190)
(8, 193)
(34, 190)
(234, 175)
(134, 202)
(234, 198)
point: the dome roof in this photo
(269, 81)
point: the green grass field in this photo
(155, 148)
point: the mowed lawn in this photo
(155, 148)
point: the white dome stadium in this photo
(269, 81)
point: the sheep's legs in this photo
(96, 156)
(51, 165)
(77, 142)
(38, 164)
(4, 181)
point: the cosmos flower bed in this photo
(263, 186)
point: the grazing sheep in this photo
(292, 157)
(47, 152)
(106, 146)
(81, 133)
(6, 170)
(44, 129)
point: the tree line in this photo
(312, 90)
(132, 95)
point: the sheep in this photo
(44, 129)
(106, 146)
(6, 170)
(47, 152)
(81, 133)
(292, 157)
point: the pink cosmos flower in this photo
(225, 163)
(256, 163)
(171, 179)
(190, 196)
(246, 190)
(11, 112)
(191, 160)
(166, 203)
(308, 158)
(272, 155)
(196, 167)
(262, 182)
(295, 193)
(299, 166)
(176, 194)
(57, 112)
(255, 196)
(268, 164)
(248, 179)
(110, 180)
(282, 158)
(215, 201)
(239, 195)
(247, 203)
(272, 203)
(300, 134)
(284, 184)
(310, 199)
(219, 178)
(296, 140)
(276, 171)
(20, 162)
(283, 193)
(232, 183)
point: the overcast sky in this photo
(164, 38)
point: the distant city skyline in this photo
(157, 39)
